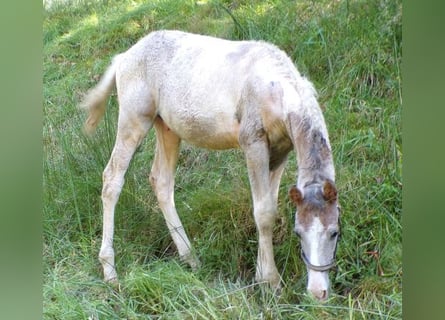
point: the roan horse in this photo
(221, 94)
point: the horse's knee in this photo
(265, 218)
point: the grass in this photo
(351, 50)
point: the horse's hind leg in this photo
(162, 181)
(133, 126)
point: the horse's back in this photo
(198, 82)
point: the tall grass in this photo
(351, 50)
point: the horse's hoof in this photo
(192, 261)
(113, 283)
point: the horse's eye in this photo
(297, 233)
(334, 234)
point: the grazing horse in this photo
(221, 94)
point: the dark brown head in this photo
(317, 225)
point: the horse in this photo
(221, 94)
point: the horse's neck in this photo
(315, 163)
(314, 155)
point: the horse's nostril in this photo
(320, 295)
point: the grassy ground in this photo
(351, 50)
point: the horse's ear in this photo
(295, 195)
(329, 191)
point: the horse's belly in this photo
(212, 130)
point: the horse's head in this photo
(317, 223)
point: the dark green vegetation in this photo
(351, 50)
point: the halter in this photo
(326, 267)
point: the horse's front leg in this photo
(264, 210)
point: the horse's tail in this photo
(95, 100)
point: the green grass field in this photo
(351, 50)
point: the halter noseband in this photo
(326, 267)
(317, 268)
